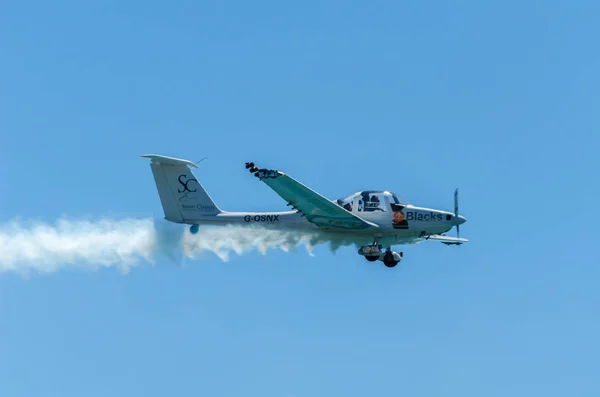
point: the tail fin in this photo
(182, 196)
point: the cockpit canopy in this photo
(370, 201)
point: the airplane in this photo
(370, 219)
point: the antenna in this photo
(201, 160)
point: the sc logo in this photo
(185, 183)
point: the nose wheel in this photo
(391, 258)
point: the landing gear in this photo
(194, 229)
(391, 258)
(369, 251)
(373, 253)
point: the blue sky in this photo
(496, 98)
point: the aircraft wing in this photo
(449, 240)
(316, 208)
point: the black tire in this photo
(390, 263)
(388, 260)
(372, 258)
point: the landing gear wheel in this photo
(388, 260)
(372, 258)
(390, 263)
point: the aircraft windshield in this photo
(369, 201)
(346, 202)
(395, 199)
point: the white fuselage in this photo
(365, 217)
(411, 224)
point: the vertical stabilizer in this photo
(182, 196)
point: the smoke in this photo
(34, 247)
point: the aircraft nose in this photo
(458, 220)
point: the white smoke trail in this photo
(223, 240)
(29, 247)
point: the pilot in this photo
(348, 206)
(365, 196)
(376, 203)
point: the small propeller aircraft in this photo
(370, 219)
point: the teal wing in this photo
(316, 208)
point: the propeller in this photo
(456, 211)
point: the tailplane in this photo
(182, 196)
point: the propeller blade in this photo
(456, 202)
(456, 211)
